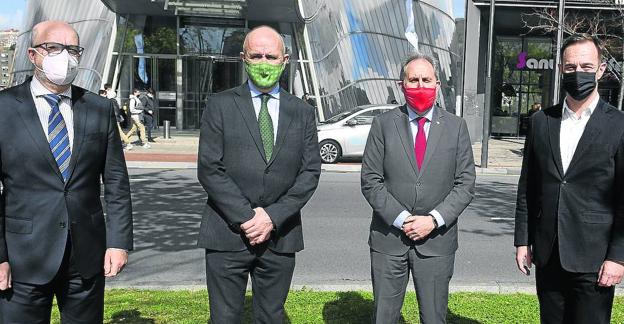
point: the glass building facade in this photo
(357, 48)
(523, 62)
(344, 53)
(93, 22)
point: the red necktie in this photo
(421, 142)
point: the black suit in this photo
(41, 216)
(574, 220)
(237, 178)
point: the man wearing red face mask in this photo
(418, 175)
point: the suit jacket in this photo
(584, 208)
(237, 177)
(392, 183)
(37, 209)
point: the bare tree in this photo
(608, 25)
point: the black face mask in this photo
(579, 85)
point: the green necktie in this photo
(266, 126)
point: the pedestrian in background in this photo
(147, 99)
(136, 111)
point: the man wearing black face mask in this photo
(570, 208)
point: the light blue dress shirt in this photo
(272, 104)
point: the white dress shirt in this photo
(37, 89)
(272, 104)
(412, 115)
(572, 128)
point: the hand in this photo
(524, 259)
(419, 227)
(114, 262)
(258, 229)
(610, 274)
(5, 276)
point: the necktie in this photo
(266, 126)
(420, 147)
(58, 136)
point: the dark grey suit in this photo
(573, 221)
(392, 183)
(237, 178)
(40, 215)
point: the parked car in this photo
(345, 134)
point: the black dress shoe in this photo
(151, 140)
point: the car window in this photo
(366, 118)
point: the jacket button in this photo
(62, 224)
(564, 182)
(266, 171)
(418, 184)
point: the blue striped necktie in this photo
(58, 136)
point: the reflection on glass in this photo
(226, 41)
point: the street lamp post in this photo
(488, 90)
(561, 17)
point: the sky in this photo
(11, 13)
(459, 8)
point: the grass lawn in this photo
(145, 307)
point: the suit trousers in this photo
(569, 297)
(79, 300)
(227, 274)
(431, 277)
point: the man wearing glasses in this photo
(56, 142)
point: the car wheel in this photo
(330, 151)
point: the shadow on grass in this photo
(130, 316)
(248, 315)
(349, 308)
(352, 308)
(458, 319)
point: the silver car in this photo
(345, 134)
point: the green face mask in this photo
(264, 75)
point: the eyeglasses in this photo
(56, 49)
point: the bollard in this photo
(167, 129)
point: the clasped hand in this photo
(418, 227)
(258, 229)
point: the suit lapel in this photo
(28, 112)
(592, 130)
(436, 128)
(285, 118)
(245, 106)
(554, 129)
(401, 121)
(79, 109)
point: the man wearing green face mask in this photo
(259, 164)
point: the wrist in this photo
(434, 220)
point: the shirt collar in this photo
(38, 89)
(255, 92)
(413, 115)
(568, 113)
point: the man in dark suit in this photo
(259, 164)
(570, 208)
(56, 142)
(418, 175)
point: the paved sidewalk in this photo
(505, 155)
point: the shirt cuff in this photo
(118, 249)
(437, 217)
(398, 222)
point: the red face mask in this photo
(420, 99)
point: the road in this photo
(168, 203)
